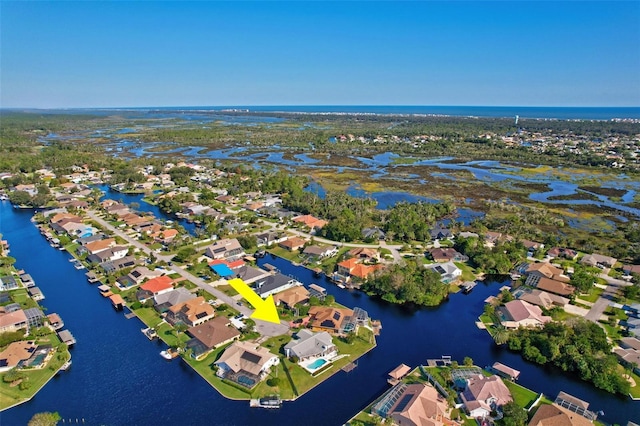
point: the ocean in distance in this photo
(524, 112)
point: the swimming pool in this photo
(316, 364)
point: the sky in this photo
(66, 54)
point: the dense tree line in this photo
(578, 346)
(409, 283)
(414, 221)
(499, 259)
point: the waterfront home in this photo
(598, 260)
(229, 249)
(333, 320)
(275, 283)
(311, 222)
(308, 344)
(249, 274)
(154, 287)
(505, 371)
(59, 217)
(482, 395)
(97, 246)
(448, 271)
(192, 312)
(447, 254)
(518, 313)
(292, 243)
(543, 299)
(413, 404)
(165, 236)
(15, 353)
(111, 266)
(355, 268)
(565, 253)
(210, 335)
(35, 317)
(138, 275)
(545, 270)
(8, 282)
(35, 293)
(398, 373)
(554, 414)
(552, 286)
(163, 301)
(292, 297)
(629, 352)
(112, 253)
(78, 229)
(317, 252)
(316, 291)
(245, 363)
(13, 320)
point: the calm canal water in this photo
(118, 377)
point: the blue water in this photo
(316, 364)
(204, 113)
(119, 378)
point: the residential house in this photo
(229, 249)
(35, 317)
(532, 245)
(292, 297)
(308, 344)
(166, 236)
(292, 243)
(97, 246)
(112, 253)
(35, 293)
(210, 335)
(598, 260)
(138, 275)
(562, 252)
(629, 352)
(492, 238)
(310, 222)
(448, 271)
(441, 233)
(354, 268)
(154, 287)
(192, 312)
(163, 301)
(546, 270)
(555, 415)
(552, 286)
(16, 353)
(483, 395)
(417, 404)
(275, 283)
(631, 269)
(332, 320)
(365, 254)
(268, 238)
(542, 298)
(372, 234)
(8, 282)
(111, 266)
(466, 234)
(447, 254)
(317, 252)
(316, 291)
(13, 320)
(245, 363)
(518, 313)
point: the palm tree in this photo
(500, 335)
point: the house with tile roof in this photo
(355, 268)
(413, 404)
(552, 286)
(97, 246)
(162, 302)
(598, 260)
(13, 321)
(332, 320)
(154, 287)
(542, 298)
(562, 252)
(483, 395)
(15, 353)
(227, 248)
(555, 415)
(292, 243)
(192, 312)
(308, 344)
(245, 363)
(545, 270)
(310, 221)
(518, 313)
(211, 335)
(292, 297)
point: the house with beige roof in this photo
(598, 260)
(310, 221)
(292, 243)
(555, 415)
(518, 313)
(13, 321)
(552, 286)
(15, 353)
(413, 404)
(332, 320)
(192, 312)
(483, 395)
(545, 270)
(245, 363)
(542, 298)
(227, 248)
(292, 297)
(97, 246)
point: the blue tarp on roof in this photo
(222, 270)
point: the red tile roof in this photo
(157, 284)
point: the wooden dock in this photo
(350, 367)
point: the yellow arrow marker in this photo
(265, 309)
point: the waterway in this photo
(118, 377)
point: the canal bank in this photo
(118, 377)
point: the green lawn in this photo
(292, 256)
(594, 294)
(21, 297)
(467, 271)
(227, 289)
(635, 391)
(521, 395)
(36, 378)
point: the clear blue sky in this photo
(112, 54)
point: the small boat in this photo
(78, 265)
(270, 402)
(150, 333)
(66, 365)
(169, 354)
(468, 286)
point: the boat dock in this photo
(468, 286)
(150, 333)
(67, 337)
(117, 301)
(270, 402)
(350, 367)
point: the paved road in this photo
(606, 298)
(265, 328)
